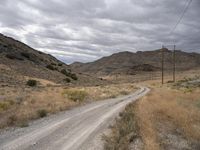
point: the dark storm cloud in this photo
(85, 30)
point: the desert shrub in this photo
(65, 72)
(73, 76)
(112, 96)
(11, 102)
(42, 113)
(50, 67)
(188, 90)
(54, 64)
(170, 81)
(124, 92)
(12, 120)
(14, 56)
(67, 80)
(69, 74)
(60, 64)
(19, 100)
(24, 54)
(4, 106)
(124, 131)
(31, 82)
(23, 124)
(40, 52)
(197, 103)
(76, 95)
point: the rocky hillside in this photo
(131, 63)
(18, 59)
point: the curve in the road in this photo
(72, 131)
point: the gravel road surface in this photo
(78, 129)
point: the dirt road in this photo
(77, 129)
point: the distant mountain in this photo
(141, 61)
(23, 60)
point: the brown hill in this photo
(18, 59)
(131, 63)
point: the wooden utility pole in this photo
(162, 64)
(174, 64)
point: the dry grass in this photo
(75, 94)
(124, 131)
(167, 118)
(145, 122)
(19, 105)
(109, 91)
(168, 105)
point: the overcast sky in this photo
(85, 30)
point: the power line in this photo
(181, 17)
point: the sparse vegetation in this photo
(76, 95)
(4, 106)
(31, 82)
(69, 74)
(123, 132)
(112, 96)
(25, 54)
(188, 83)
(42, 113)
(11, 120)
(67, 80)
(167, 118)
(39, 52)
(73, 76)
(63, 71)
(23, 124)
(197, 103)
(60, 64)
(54, 64)
(51, 99)
(124, 92)
(50, 67)
(14, 56)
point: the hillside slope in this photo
(18, 59)
(131, 63)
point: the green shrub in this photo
(42, 113)
(24, 54)
(23, 124)
(31, 82)
(12, 120)
(112, 96)
(76, 95)
(67, 80)
(69, 74)
(14, 56)
(4, 106)
(124, 131)
(73, 76)
(40, 52)
(60, 64)
(124, 92)
(170, 81)
(63, 71)
(50, 67)
(54, 64)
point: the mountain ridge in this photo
(141, 61)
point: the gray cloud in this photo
(85, 30)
